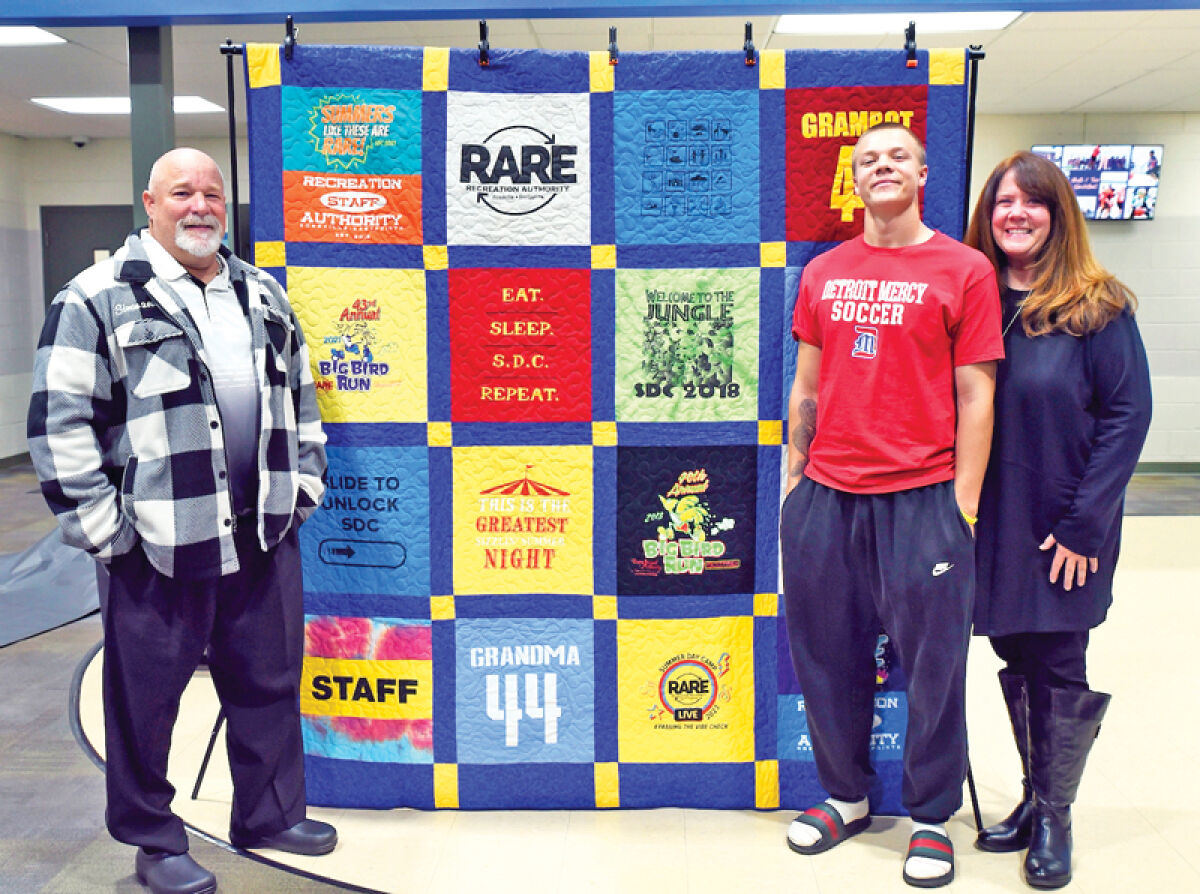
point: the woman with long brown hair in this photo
(1072, 412)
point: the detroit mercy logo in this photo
(866, 341)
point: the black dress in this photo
(1071, 417)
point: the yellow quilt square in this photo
(685, 690)
(604, 608)
(601, 74)
(766, 605)
(270, 254)
(604, 434)
(947, 66)
(766, 785)
(773, 254)
(523, 519)
(366, 341)
(435, 74)
(262, 61)
(772, 70)
(379, 689)
(445, 786)
(608, 785)
(604, 257)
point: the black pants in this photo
(155, 631)
(853, 563)
(1046, 660)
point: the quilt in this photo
(547, 303)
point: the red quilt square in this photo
(520, 345)
(823, 125)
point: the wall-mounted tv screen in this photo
(1111, 181)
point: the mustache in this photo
(201, 220)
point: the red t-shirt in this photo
(892, 324)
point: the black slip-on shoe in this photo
(310, 838)
(165, 873)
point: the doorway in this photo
(74, 237)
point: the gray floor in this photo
(52, 796)
(1155, 494)
(52, 836)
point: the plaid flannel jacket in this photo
(124, 429)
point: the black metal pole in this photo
(229, 50)
(974, 798)
(212, 740)
(974, 53)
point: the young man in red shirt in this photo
(890, 423)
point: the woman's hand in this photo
(1076, 566)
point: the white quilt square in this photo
(518, 169)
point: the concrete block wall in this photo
(20, 304)
(1159, 259)
(34, 173)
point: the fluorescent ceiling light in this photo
(896, 22)
(119, 105)
(26, 36)
(195, 105)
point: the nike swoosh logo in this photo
(941, 568)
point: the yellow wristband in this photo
(970, 519)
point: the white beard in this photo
(195, 244)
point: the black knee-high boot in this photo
(1063, 724)
(1012, 832)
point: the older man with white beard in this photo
(175, 431)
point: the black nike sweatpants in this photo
(903, 561)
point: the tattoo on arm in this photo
(802, 434)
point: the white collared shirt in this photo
(225, 333)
